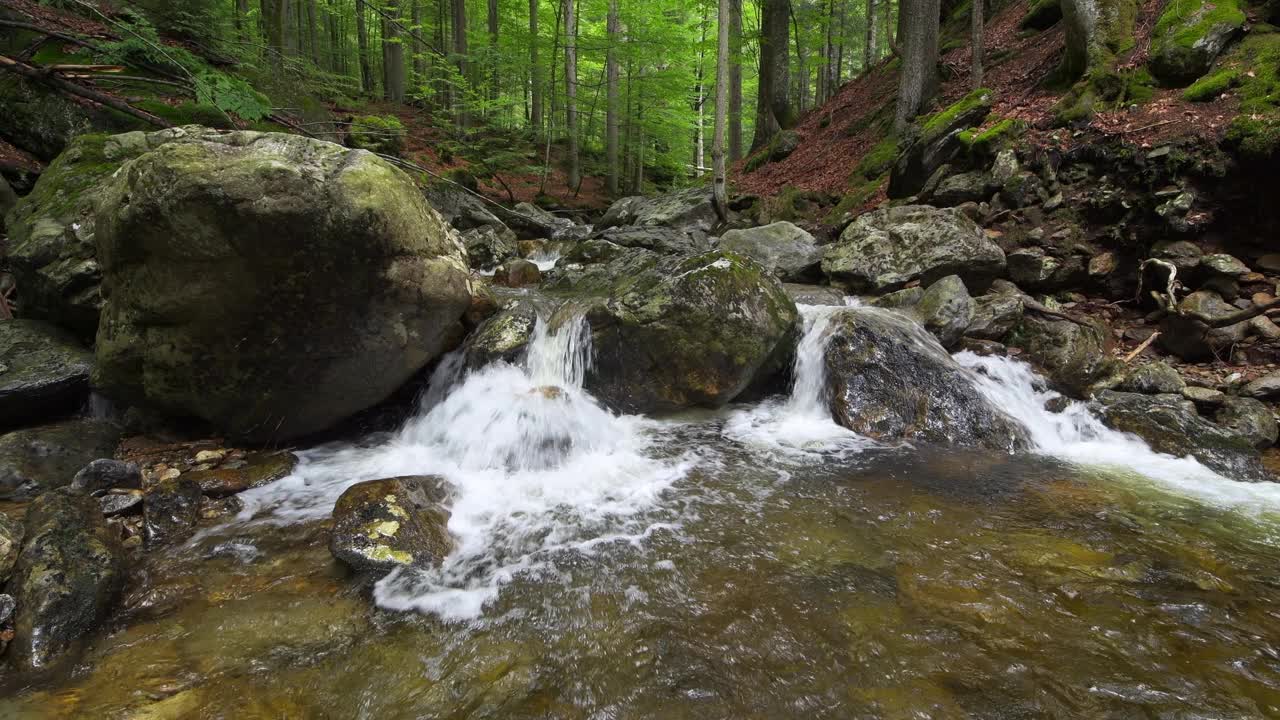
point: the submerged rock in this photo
(1169, 426)
(887, 248)
(1075, 357)
(43, 372)
(690, 331)
(781, 248)
(868, 355)
(946, 310)
(379, 525)
(37, 459)
(69, 571)
(255, 470)
(170, 510)
(270, 284)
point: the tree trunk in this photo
(802, 77)
(493, 50)
(719, 185)
(571, 91)
(773, 105)
(362, 47)
(535, 72)
(313, 33)
(699, 98)
(869, 55)
(419, 60)
(735, 80)
(459, 8)
(242, 22)
(918, 79)
(393, 53)
(978, 23)
(611, 101)
(273, 22)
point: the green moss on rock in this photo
(1189, 36)
(377, 133)
(1211, 86)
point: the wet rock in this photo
(994, 315)
(488, 246)
(982, 347)
(683, 332)
(903, 299)
(1074, 356)
(781, 248)
(1165, 422)
(269, 320)
(517, 272)
(683, 210)
(1182, 254)
(502, 337)
(7, 607)
(170, 510)
(813, 294)
(887, 248)
(255, 470)
(1266, 387)
(870, 351)
(658, 239)
(379, 525)
(121, 502)
(1190, 339)
(105, 474)
(1153, 378)
(1250, 419)
(946, 310)
(484, 303)
(10, 543)
(44, 372)
(37, 459)
(68, 574)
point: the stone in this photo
(121, 502)
(1264, 388)
(994, 315)
(1205, 399)
(488, 246)
(1190, 339)
(946, 309)
(68, 574)
(34, 460)
(1153, 378)
(885, 249)
(106, 474)
(1265, 328)
(461, 209)
(170, 510)
(674, 332)
(10, 543)
(255, 470)
(1169, 426)
(516, 273)
(1269, 262)
(973, 186)
(1023, 190)
(1032, 268)
(210, 456)
(903, 299)
(1189, 37)
(656, 238)
(504, 336)
(380, 525)
(869, 353)
(688, 210)
(269, 316)
(781, 248)
(1005, 166)
(1102, 265)
(1221, 264)
(1185, 256)
(937, 143)
(813, 294)
(45, 372)
(1074, 357)
(1248, 418)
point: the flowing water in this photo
(758, 562)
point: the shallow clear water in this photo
(756, 562)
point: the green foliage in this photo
(187, 113)
(231, 95)
(940, 121)
(1256, 131)
(377, 133)
(1183, 22)
(1211, 86)
(140, 45)
(986, 143)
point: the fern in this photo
(232, 95)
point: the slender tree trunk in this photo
(419, 59)
(626, 139)
(273, 20)
(612, 26)
(313, 32)
(918, 79)
(978, 27)
(571, 90)
(335, 47)
(773, 105)
(535, 72)
(719, 183)
(362, 47)
(869, 56)
(493, 50)
(242, 22)
(735, 80)
(393, 53)
(699, 100)
(802, 77)
(459, 20)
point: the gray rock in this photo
(10, 543)
(170, 510)
(903, 299)
(1023, 190)
(1221, 264)
(1169, 426)
(488, 246)
(869, 353)
(504, 336)
(1265, 387)
(44, 372)
(973, 186)
(1184, 255)
(937, 144)
(461, 209)
(291, 312)
(946, 310)
(106, 474)
(1250, 419)
(1190, 339)
(1153, 378)
(1005, 166)
(33, 460)
(68, 574)
(813, 294)
(1032, 268)
(1203, 397)
(1074, 357)
(683, 210)
(379, 525)
(781, 248)
(659, 239)
(1263, 327)
(121, 502)
(516, 273)
(994, 315)
(885, 249)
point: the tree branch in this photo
(70, 88)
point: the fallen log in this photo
(69, 88)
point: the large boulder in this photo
(1075, 357)
(51, 233)
(488, 246)
(1192, 340)
(1250, 419)
(946, 309)
(1153, 378)
(34, 460)
(781, 248)
(503, 336)
(994, 315)
(656, 238)
(270, 284)
(887, 248)
(676, 332)
(44, 371)
(68, 573)
(869, 353)
(379, 525)
(1189, 36)
(688, 210)
(1169, 425)
(937, 143)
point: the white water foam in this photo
(1076, 436)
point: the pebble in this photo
(210, 456)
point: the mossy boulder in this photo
(676, 332)
(937, 143)
(1255, 133)
(68, 574)
(380, 525)
(781, 248)
(1249, 418)
(270, 285)
(37, 459)
(688, 210)
(52, 250)
(870, 351)
(44, 122)
(1075, 357)
(44, 372)
(946, 309)
(1189, 36)
(377, 133)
